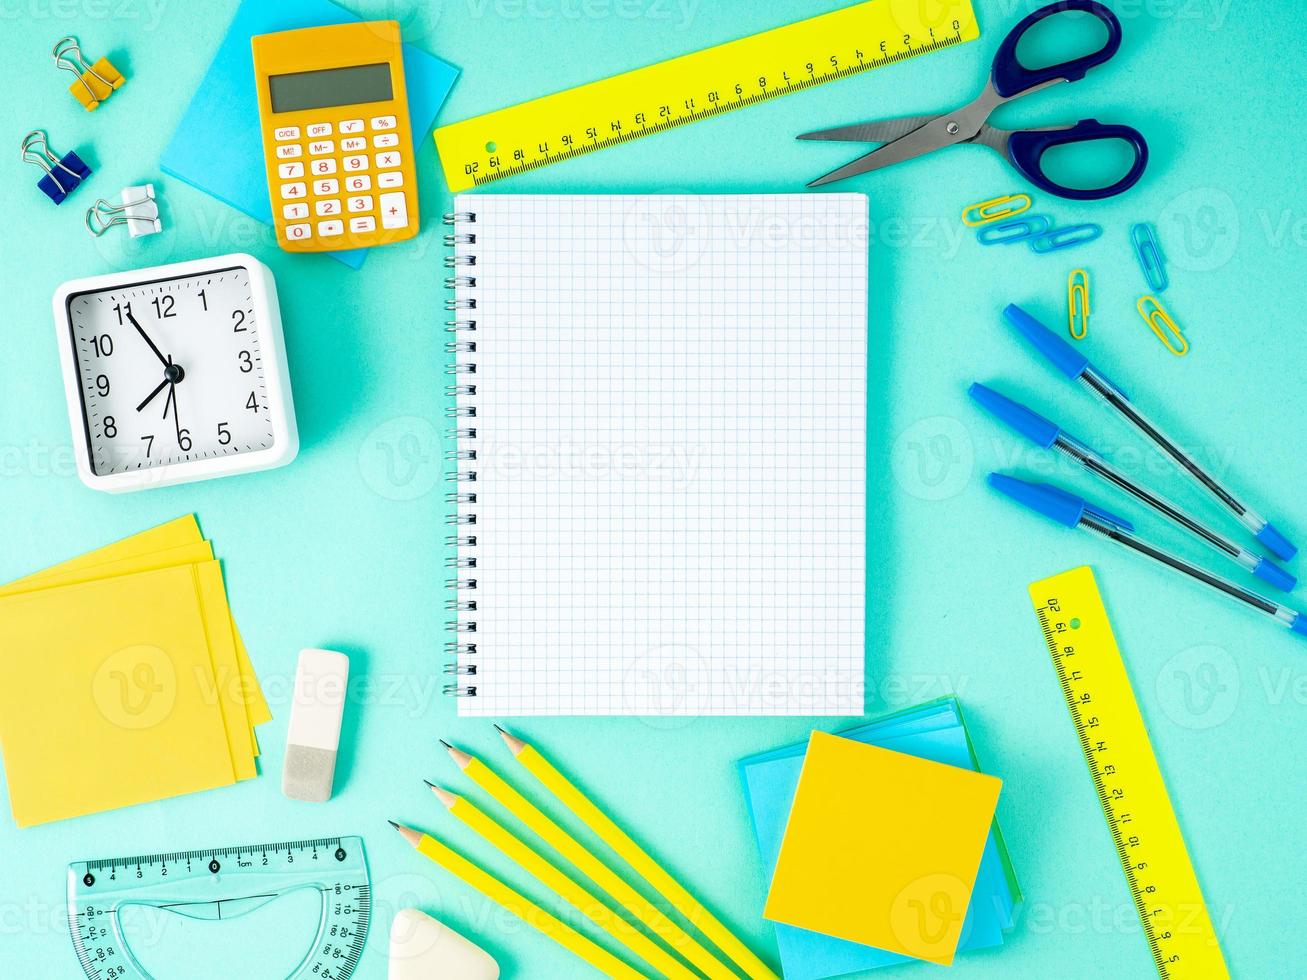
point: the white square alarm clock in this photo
(175, 373)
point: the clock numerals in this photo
(103, 345)
(184, 440)
(163, 307)
(247, 363)
(238, 316)
(204, 300)
(124, 310)
(110, 427)
(102, 385)
(224, 434)
(149, 445)
(252, 403)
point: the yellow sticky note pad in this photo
(882, 848)
(105, 709)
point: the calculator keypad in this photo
(344, 162)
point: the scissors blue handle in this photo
(1009, 79)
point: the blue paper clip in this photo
(1013, 231)
(1068, 237)
(62, 174)
(1149, 254)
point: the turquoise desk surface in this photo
(344, 548)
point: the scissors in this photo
(912, 136)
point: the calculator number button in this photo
(289, 171)
(352, 144)
(391, 178)
(383, 122)
(293, 211)
(289, 150)
(284, 133)
(362, 224)
(291, 191)
(298, 232)
(321, 147)
(327, 207)
(329, 229)
(383, 140)
(324, 187)
(321, 167)
(359, 182)
(361, 203)
(387, 160)
(357, 162)
(319, 129)
(394, 210)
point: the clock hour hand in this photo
(150, 397)
(157, 353)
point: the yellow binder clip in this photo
(1161, 323)
(95, 83)
(1077, 304)
(1000, 207)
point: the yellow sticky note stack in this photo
(125, 680)
(882, 848)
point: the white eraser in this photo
(422, 948)
(317, 705)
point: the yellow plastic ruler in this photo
(1129, 784)
(698, 86)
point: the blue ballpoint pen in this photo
(1067, 508)
(1076, 366)
(1046, 434)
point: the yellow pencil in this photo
(569, 890)
(591, 866)
(530, 913)
(634, 855)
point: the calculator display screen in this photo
(330, 87)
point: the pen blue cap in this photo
(1065, 508)
(1299, 625)
(1280, 545)
(1032, 425)
(1268, 571)
(1065, 358)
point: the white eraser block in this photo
(422, 948)
(317, 705)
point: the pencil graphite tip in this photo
(444, 796)
(393, 824)
(461, 758)
(429, 783)
(515, 744)
(446, 745)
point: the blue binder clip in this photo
(1149, 254)
(1013, 231)
(62, 174)
(1066, 237)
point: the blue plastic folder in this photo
(218, 146)
(933, 731)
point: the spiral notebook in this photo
(660, 411)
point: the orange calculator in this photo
(336, 136)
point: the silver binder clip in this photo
(137, 209)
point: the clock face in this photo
(170, 371)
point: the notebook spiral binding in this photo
(461, 648)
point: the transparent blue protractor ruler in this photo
(218, 885)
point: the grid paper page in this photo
(670, 454)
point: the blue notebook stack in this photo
(933, 731)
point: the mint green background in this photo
(339, 550)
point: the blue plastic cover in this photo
(1268, 571)
(1065, 508)
(1064, 357)
(1032, 425)
(1280, 545)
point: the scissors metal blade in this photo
(932, 136)
(881, 131)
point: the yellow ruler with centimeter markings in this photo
(697, 86)
(1126, 777)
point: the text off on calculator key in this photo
(394, 210)
(319, 129)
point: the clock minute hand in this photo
(146, 336)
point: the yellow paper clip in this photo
(1077, 302)
(95, 83)
(1160, 322)
(987, 211)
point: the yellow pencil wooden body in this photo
(598, 872)
(569, 890)
(557, 930)
(649, 869)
